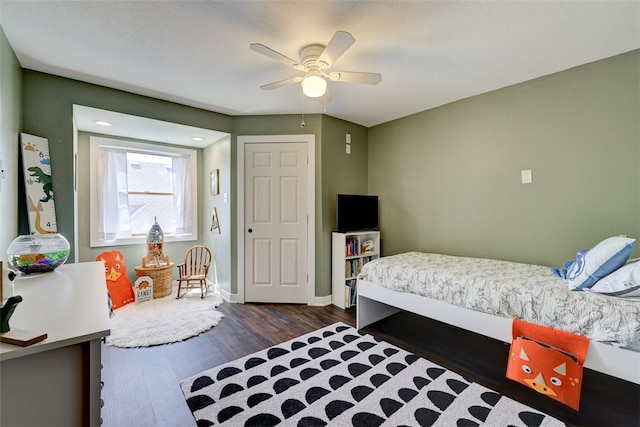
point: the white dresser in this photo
(56, 381)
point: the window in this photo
(132, 184)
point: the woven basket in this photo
(161, 276)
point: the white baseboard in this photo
(321, 301)
(233, 298)
(227, 296)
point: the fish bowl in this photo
(38, 253)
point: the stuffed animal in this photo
(118, 283)
(367, 246)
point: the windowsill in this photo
(140, 240)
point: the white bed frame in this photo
(376, 302)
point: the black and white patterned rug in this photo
(336, 376)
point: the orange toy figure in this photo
(549, 361)
(118, 282)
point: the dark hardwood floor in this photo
(142, 385)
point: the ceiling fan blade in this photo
(355, 77)
(339, 43)
(260, 48)
(281, 83)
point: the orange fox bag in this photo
(118, 283)
(547, 360)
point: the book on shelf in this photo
(350, 293)
(352, 267)
(352, 247)
(352, 250)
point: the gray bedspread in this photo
(508, 289)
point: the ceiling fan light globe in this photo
(314, 86)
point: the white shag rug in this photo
(164, 320)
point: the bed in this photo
(483, 296)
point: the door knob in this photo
(250, 230)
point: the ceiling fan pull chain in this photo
(302, 123)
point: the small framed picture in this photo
(215, 221)
(214, 182)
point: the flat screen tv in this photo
(355, 212)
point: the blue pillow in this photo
(562, 272)
(596, 263)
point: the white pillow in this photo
(624, 282)
(599, 261)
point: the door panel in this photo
(262, 262)
(276, 222)
(289, 253)
(262, 198)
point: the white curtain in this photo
(112, 193)
(182, 200)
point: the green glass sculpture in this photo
(6, 311)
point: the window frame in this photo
(149, 147)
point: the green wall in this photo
(48, 112)
(10, 127)
(449, 178)
(218, 156)
(341, 173)
(335, 172)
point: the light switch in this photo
(348, 138)
(225, 197)
(527, 177)
(348, 148)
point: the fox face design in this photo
(549, 377)
(118, 283)
(547, 370)
(114, 265)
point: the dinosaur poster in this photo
(36, 166)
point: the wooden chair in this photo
(193, 271)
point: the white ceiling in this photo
(126, 125)
(429, 52)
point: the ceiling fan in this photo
(314, 64)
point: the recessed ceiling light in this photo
(101, 123)
(197, 138)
